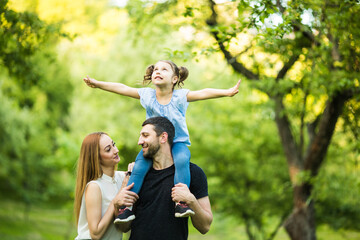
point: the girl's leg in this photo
(141, 167)
(181, 155)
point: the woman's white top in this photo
(109, 188)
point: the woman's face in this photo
(108, 152)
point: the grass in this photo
(39, 222)
(56, 223)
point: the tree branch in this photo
(278, 226)
(248, 226)
(287, 66)
(302, 124)
(237, 66)
(283, 123)
(287, 139)
(311, 127)
(320, 143)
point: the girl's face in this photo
(108, 152)
(163, 75)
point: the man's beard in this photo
(152, 150)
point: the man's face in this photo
(149, 141)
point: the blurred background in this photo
(281, 157)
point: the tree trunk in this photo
(300, 225)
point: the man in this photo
(154, 208)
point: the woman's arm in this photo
(209, 93)
(97, 224)
(203, 215)
(118, 88)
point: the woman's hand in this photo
(131, 166)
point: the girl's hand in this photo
(90, 82)
(234, 90)
(125, 197)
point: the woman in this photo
(97, 188)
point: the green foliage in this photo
(189, 11)
(337, 193)
(179, 54)
(308, 57)
(42, 121)
(243, 159)
(22, 35)
(35, 96)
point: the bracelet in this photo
(128, 173)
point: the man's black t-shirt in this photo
(155, 210)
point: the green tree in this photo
(307, 64)
(243, 161)
(328, 55)
(35, 97)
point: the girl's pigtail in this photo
(183, 74)
(148, 73)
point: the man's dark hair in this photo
(162, 124)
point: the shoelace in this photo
(184, 205)
(122, 210)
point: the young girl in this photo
(166, 102)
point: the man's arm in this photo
(203, 215)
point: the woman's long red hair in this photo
(88, 167)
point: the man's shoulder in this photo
(194, 166)
(195, 169)
(198, 184)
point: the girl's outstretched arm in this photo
(209, 93)
(118, 88)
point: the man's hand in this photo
(181, 193)
(202, 208)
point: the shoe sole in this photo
(130, 218)
(185, 214)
